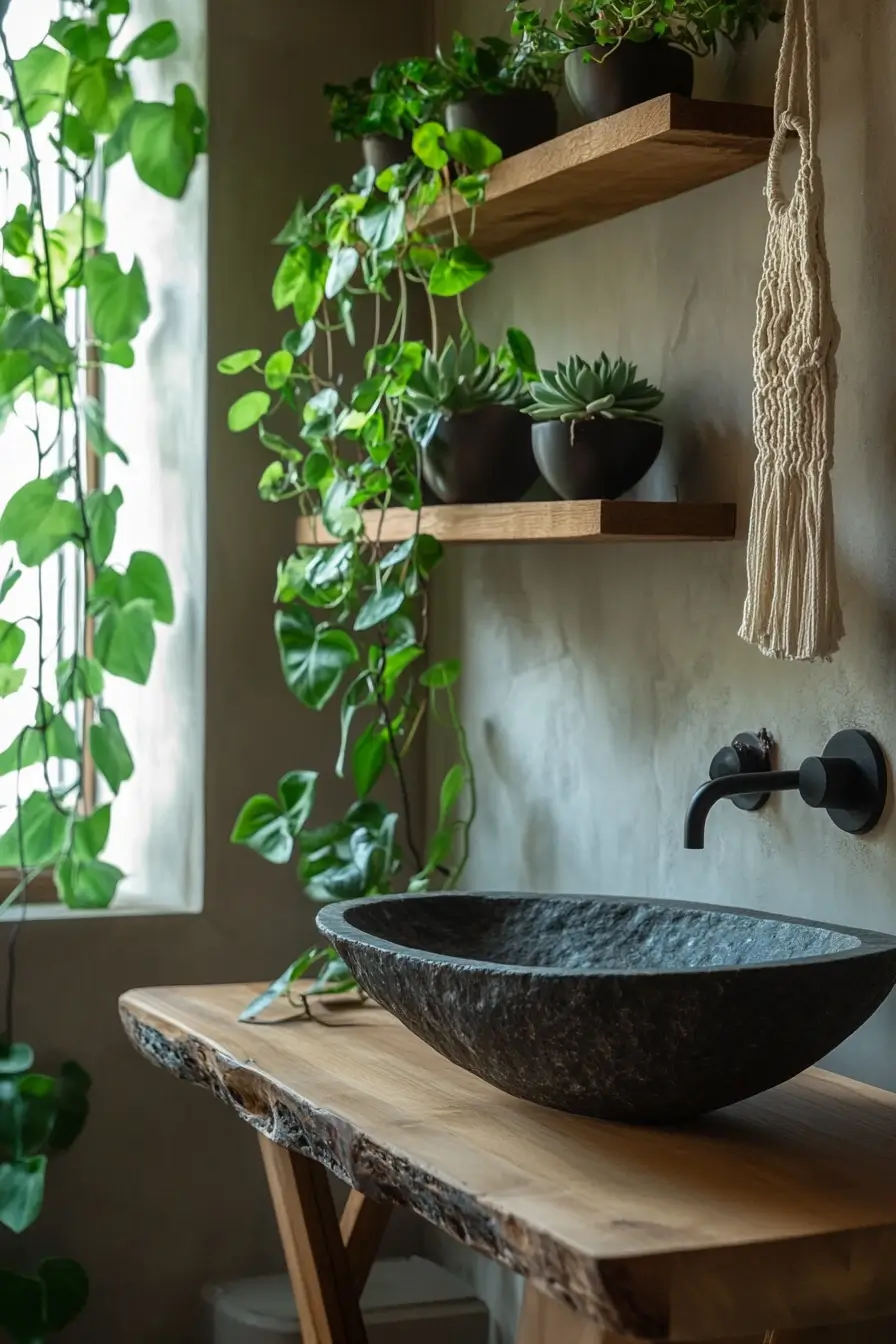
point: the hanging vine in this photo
(68, 310)
(353, 616)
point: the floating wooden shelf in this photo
(600, 520)
(646, 154)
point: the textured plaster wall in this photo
(599, 682)
(164, 1191)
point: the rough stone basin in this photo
(641, 1011)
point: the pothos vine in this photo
(68, 310)
(353, 614)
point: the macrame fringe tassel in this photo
(792, 608)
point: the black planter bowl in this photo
(384, 151)
(514, 121)
(634, 73)
(649, 1012)
(481, 457)
(596, 459)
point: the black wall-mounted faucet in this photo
(849, 781)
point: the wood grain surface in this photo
(597, 520)
(780, 1211)
(608, 168)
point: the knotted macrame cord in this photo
(792, 608)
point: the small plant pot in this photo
(634, 73)
(596, 459)
(481, 457)
(384, 151)
(514, 121)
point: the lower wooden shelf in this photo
(598, 520)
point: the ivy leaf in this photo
(125, 640)
(261, 826)
(117, 300)
(299, 342)
(369, 758)
(72, 1106)
(37, 837)
(91, 834)
(163, 145)
(314, 657)
(18, 291)
(380, 606)
(120, 354)
(42, 77)
(38, 522)
(523, 352)
(153, 44)
(21, 1192)
(12, 642)
(18, 232)
(78, 137)
(429, 145)
(300, 281)
(146, 577)
(299, 970)
(239, 362)
(472, 149)
(55, 741)
(12, 679)
(79, 680)
(343, 265)
(101, 93)
(21, 1306)
(102, 517)
(452, 787)
(110, 750)
(247, 411)
(87, 884)
(16, 1058)
(441, 675)
(87, 41)
(457, 271)
(10, 579)
(297, 793)
(44, 342)
(278, 370)
(97, 436)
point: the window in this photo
(157, 412)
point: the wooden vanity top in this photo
(781, 1209)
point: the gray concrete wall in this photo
(164, 1191)
(599, 682)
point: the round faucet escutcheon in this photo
(749, 754)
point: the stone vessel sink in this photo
(648, 1012)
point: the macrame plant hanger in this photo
(793, 605)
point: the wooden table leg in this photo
(327, 1266)
(544, 1321)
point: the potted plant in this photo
(476, 443)
(504, 90)
(619, 54)
(594, 436)
(384, 109)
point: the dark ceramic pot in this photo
(481, 457)
(634, 73)
(596, 459)
(515, 121)
(384, 151)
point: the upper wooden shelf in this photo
(643, 155)
(601, 520)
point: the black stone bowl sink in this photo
(649, 1012)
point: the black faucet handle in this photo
(849, 781)
(749, 754)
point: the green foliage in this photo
(351, 618)
(76, 85)
(580, 391)
(394, 100)
(497, 66)
(695, 25)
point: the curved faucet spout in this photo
(732, 786)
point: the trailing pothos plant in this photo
(68, 309)
(353, 616)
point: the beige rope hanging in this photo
(793, 605)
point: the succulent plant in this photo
(577, 390)
(465, 377)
